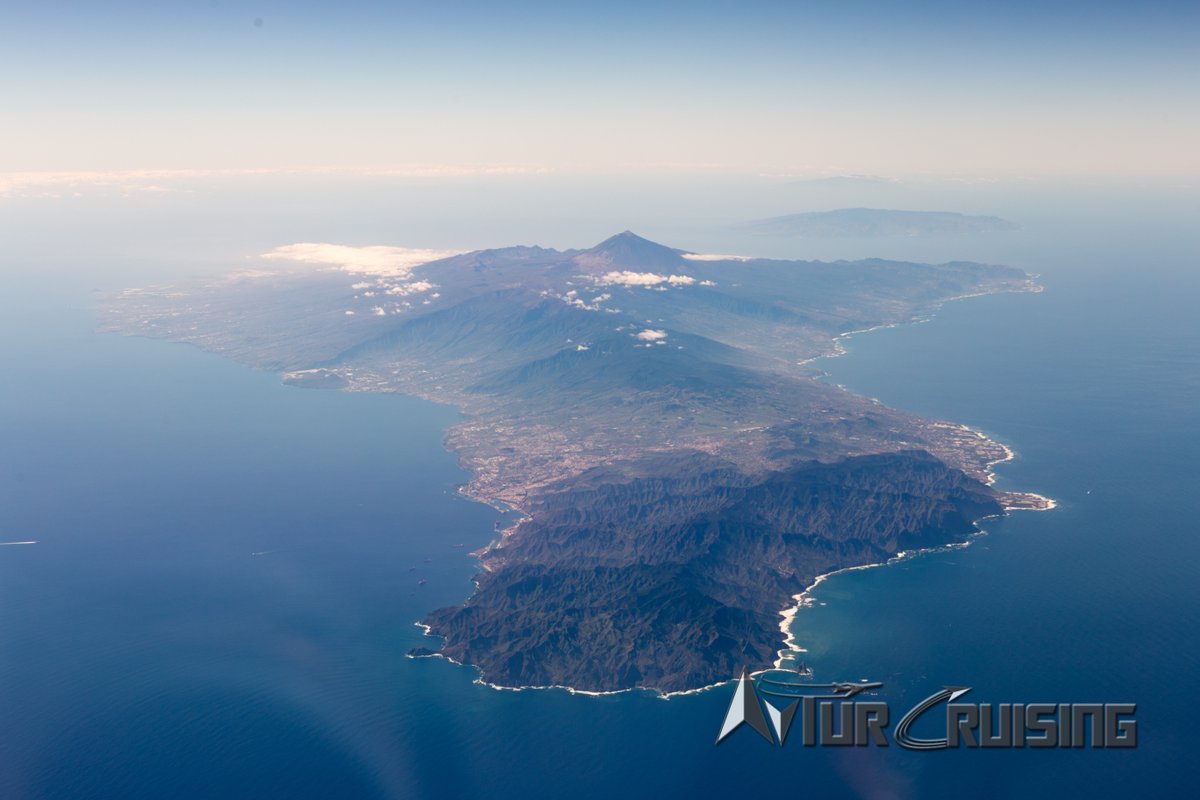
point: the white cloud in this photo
(383, 260)
(444, 171)
(650, 335)
(397, 262)
(45, 183)
(573, 299)
(245, 274)
(630, 278)
(715, 257)
(416, 287)
(52, 183)
(627, 278)
(391, 267)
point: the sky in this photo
(930, 88)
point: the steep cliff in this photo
(677, 580)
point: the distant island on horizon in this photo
(871, 222)
(681, 471)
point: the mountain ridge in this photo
(860, 222)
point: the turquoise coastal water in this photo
(227, 571)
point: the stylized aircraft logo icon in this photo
(851, 689)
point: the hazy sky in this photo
(934, 88)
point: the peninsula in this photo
(680, 469)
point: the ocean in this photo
(227, 570)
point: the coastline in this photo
(1030, 287)
(659, 693)
(805, 600)
(790, 649)
(1037, 502)
(479, 680)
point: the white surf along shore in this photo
(792, 649)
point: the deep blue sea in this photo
(227, 571)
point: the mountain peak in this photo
(627, 238)
(627, 250)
